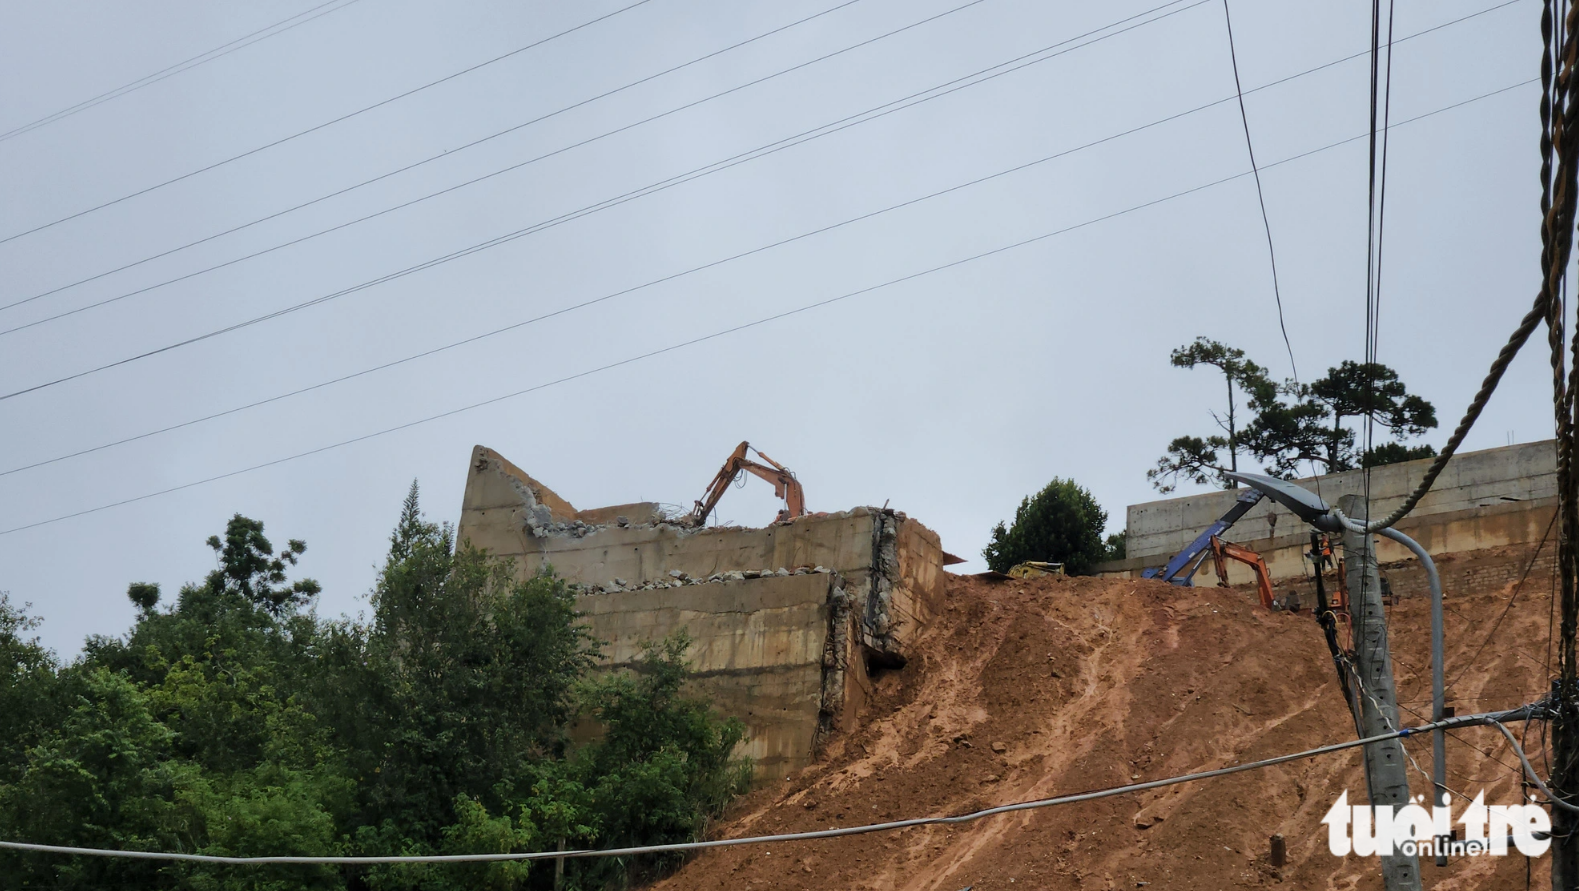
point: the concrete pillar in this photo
(1386, 770)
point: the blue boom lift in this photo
(1181, 569)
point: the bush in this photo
(1060, 524)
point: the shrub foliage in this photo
(235, 721)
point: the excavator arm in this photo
(785, 485)
(1223, 551)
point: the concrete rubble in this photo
(678, 579)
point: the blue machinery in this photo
(1181, 569)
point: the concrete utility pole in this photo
(1386, 775)
(1376, 699)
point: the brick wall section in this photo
(1485, 570)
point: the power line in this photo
(602, 205)
(448, 153)
(722, 333)
(1488, 385)
(627, 361)
(1239, 90)
(1546, 299)
(1493, 718)
(1529, 768)
(624, 291)
(694, 269)
(329, 123)
(202, 58)
(789, 142)
(403, 205)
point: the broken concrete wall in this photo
(882, 582)
(771, 651)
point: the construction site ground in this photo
(1034, 688)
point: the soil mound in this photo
(1035, 688)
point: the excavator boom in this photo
(1223, 551)
(785, 485)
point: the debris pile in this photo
(679, 579)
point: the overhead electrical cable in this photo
(1488, 385)
(910, 101)
(742, 327)
(676, 275)
(1375, 176)
(1495, 719)
(1239, 91)
(602, 205)
(519, 165)
(446, 154)
(1558, 219)
(625, 291)
(181, 67)
(329, 123)
(679, 179)
(682, 273)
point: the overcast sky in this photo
(950, 395)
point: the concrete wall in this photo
(766, 651)
(1484, 499)
(788, 656)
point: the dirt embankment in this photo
(1037, 688)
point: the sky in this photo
(949, 346)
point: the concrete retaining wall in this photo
(1484, 499)
(786, 653)
(764, 651)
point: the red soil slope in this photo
(1037, 688)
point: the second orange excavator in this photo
(785, 485)
(1223, 551)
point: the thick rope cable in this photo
(1534, 317)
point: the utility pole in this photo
(1565, 782)
(1375, 697)
(1369, 681)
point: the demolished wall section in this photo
(791, 672)
(771, 650)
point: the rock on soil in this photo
(1035, 688)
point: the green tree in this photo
(468, 682)
(247, 566)
(663, 765)
(1292, 426)
(27, 689)
(1116, 546)
(1395, 453)
(1320, 422)
(234, 721)
(191, 733)
(1204, 460)
(1061, 524)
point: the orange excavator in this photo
(1223, 551)
(785, 485)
